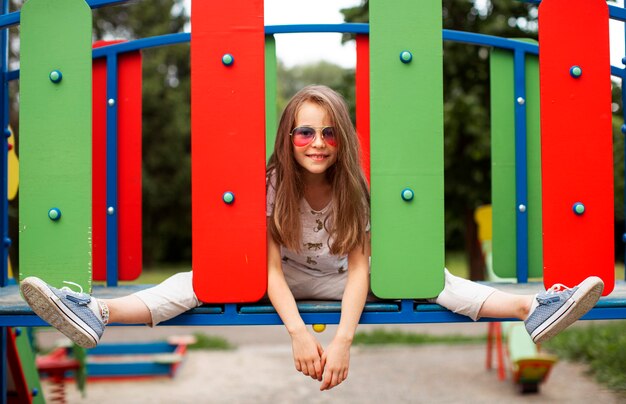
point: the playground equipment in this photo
(515, 350)
(398, 85)
(124, 360)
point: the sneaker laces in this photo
(79, 298)
(552, 294)
(556, 288)
(67, 289)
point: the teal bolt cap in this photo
(54, 214)
(576, 71)
(624, 129)
(407, 194)
(228, 59)
(406, 56)
(55, 76)
(228, 197)
(578, 208)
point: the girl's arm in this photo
(307, 350)
(336, 359)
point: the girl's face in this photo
(317, 156)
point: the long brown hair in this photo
(351, 200)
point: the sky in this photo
(294, 49)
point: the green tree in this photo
(166, 123)
(290, 80)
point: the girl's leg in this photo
(82, 318)
(172, 297)
(545, 314)
(476, 300)
(506, 305)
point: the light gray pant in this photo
(175, 295)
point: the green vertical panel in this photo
(55, 141)
(29, 367)
(407, 149)
(271, 123)
(503, 164)
(533, 145)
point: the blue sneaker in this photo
(560, 306)
(75, 314)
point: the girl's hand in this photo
(307, 354)
(335, 361)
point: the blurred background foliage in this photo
(166, 115)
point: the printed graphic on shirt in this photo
(319, 225)
(314, 246)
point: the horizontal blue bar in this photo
(132, 349)
(345, 28)
(424, 313)
(128, 369)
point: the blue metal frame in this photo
(111, 53)
(403, 312)
(111, 171)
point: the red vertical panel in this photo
(228, 150)
(129, 165)
(129, 156)
(98, 171)
(576, 141)
(363, 99)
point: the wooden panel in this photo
(228, 151)
(271, 76)
(406, 149)
(363, 99)
(55, 141)
(503, 165)
(129, 165)
(576, 142)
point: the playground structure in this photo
(539, 210)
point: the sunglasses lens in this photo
(329, 136)
(302, 136)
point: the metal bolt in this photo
(406, 57)
(228, 59)
(575, 71)
(407, 194)
(110, 210)
(55, 76)
(228, 197)
(522, 208)
(578, 208)
(54, 214)
(111, 102)
(521, 100)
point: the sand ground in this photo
(260, 370)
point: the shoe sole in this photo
(51, 309)
(583, 300)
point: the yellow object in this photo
(319, 327)
(14, 168)
(482, 215)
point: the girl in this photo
(318, 248)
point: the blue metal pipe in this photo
(521, 174)
(4, 149)
(111, 172)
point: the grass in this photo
(210, 342)
(395, 337)
(601, 346)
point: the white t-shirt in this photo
(314, 258)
